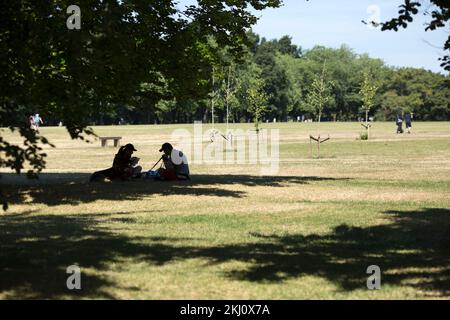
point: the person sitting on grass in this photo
(176, 165)
(124, 166)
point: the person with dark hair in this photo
(408, 121)
(399, 122)
(124, 166)
(176, 165)
(31, 123)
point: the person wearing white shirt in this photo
(175, 162)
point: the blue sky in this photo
(332, 23)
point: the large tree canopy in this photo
(439, 11)
(125, 51)
(70, 74)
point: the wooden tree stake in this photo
(319, 141)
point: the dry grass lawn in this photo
(309, 232)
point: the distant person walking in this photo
(37, 121)
(399, 122)
(408, 121)
(31, 123)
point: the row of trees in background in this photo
(278, 80)
(153, 61)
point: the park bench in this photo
(104, 140)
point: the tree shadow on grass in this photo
(73, 188)
(412, 251)
(266, 181)
(35, 252)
